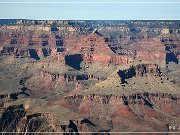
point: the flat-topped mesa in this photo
(31, 44)
(94, 49)
(139, 70)
(27, 39)
(62, 27)
(150, 50)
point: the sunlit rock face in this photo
(89, 76)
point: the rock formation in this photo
(89, 76)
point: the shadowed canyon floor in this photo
(89, 76)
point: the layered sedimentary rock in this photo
(94, 76)
(140, 48)
(150, 50)
(143, 106)
(94, 49)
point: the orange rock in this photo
(125, 111)
(85, 107)
(150, 112)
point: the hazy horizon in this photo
(90, 11)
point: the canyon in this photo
(89, 77)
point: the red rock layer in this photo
(94, 49)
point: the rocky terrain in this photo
(96, 77)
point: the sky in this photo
(90, 9)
